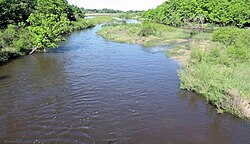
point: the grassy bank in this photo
(147, 34)
(16, 40)
(218, 68)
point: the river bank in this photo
(211, 65)
(217, 69)
(16, 41)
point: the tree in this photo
(47, 22)
(15, 11)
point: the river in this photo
(94, 91)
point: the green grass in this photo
(147, 34)
(100, 19)
(215, 81)
(202, 36)
(175, 51)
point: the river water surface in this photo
(94, 91)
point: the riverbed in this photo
(90, 90)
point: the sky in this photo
(117, 4)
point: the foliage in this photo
(48, 21)
(74, 13)
(221, 12)
(236, 41)
(16, 37)
(15, 11)
(14, 41)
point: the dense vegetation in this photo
(35, 24)
(185, 12)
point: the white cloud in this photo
(117, 4)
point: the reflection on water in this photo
(90, 90)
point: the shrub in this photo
(236, 42)
(226, 35)
(3, 56)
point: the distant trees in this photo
(105, 10)
(221, 12)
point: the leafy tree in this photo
(15, 11)
(74, 12)
(47, 22)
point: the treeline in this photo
(220, 12)
(35, 24)
(104, 10)
(16, 11)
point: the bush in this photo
(146, 31)
(8, 36)
(3, 56)
(151, 28)
(15, 41)
(226, 35)
(236, 41)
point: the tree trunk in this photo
(33, 50)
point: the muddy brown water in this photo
(93, 91)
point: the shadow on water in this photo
(3, 77)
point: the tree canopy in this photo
(221, 12)
(48, 21)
